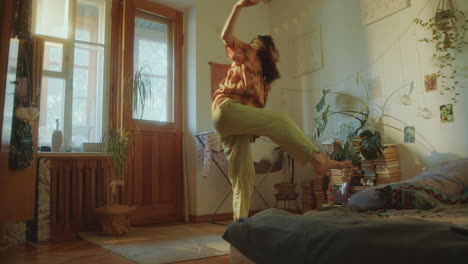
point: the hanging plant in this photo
(448, 27)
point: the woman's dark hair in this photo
(264, 44)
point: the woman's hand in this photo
(246, 3)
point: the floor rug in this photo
(167, 244)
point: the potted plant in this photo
(448, 27)
(114, 218)
(357, 129)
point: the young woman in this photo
(239, 117)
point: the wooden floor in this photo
(79, 251)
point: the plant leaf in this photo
(371, 145)
(321, 103)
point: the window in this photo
(153, 47)
(74, 74)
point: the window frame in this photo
(70, 44)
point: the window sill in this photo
(72, 154)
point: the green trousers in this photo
(235, 122)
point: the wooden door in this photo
(152, 37)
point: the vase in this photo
(57, 137)
(57, 140)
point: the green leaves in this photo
(321, 122)
(142, 89)
(321, 104)
(371, 145)
(448, 29)
(118, 144)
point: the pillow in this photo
(449, 177)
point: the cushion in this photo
(449, 177)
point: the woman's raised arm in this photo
(227, 35)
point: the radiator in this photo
(77, 186)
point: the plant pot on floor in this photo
(114, 220)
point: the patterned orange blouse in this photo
(244, 81)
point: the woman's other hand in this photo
(246, 3)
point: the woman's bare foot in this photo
(322, 164)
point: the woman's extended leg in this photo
(234, 118)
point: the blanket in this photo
(349, 234)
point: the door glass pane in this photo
(88, 72)
(52, 18)
(52, 108)
(152, 52)
(53, 56)
(90, 21)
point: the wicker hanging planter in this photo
(448, 28)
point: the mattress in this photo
(238, 258)
(343, 234)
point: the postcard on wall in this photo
(446, 113)
(306, 51)
(375, 10)
(410, 135)
(430, 82)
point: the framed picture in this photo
(375, 10)
(446, 113)
(409, 135)
(430, 82)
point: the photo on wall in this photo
(446, 113)
(430, 82)
(410, 135)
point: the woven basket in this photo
(114, 220)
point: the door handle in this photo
(14, 82)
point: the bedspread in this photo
(351, 235)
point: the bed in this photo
(422, 220)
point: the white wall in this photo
(348, 47)
(387, 48)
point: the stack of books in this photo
(314, 193)
(320, 186)
(308, 199)
(336, 177)
(388, 167)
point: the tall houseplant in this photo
(370, 140)
(448, 27)
(114, 218)
(118, 142)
